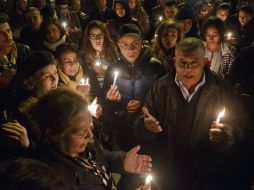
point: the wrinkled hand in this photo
(217, 133)
(150, 122)
(83, 89)
(133, 105)
(15, 131)
(135, 163)
(113, 94)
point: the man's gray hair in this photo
(190, 44)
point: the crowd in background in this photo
(58, 57)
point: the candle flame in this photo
(220, 115)
(82, 81)
(149, 179)
(160, 18)
(97, 63)
(229, 35)
(115, 77)
(93, 107)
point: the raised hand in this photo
(113, 94)
(135, 163)
(15, 131)
(150, 122)
(217, 133)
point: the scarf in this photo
(53, 46)
(9, 62)
(66, 79)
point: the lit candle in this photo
(229, 35)
(220, 115)
(93, 107)
(149, 179)
(115, 77)
(84, 81)
(64, 24)
(97, 63)
(160, 18)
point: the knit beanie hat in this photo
(128, 29)
(185, 12)
(36, 61)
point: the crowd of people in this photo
(93, 89)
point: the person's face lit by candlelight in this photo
(69, 63)
(96, 38)
(223, 14)
(169, 38)
(212, 36)
(53, 33)
(130, 46)
(132, 4)
(119, 9)
(244, 18)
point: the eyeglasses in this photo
(188, 65)
(125, 46)
(96, 36)
(74, 62)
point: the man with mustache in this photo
(191, 149)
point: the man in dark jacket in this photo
(189, 146)
(137, 72)
(12, 56)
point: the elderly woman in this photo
(69, 148)
(220, 56)
(36, 78)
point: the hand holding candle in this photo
(93, 107)
(84, 87)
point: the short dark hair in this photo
(189, 44)
(224, 6)
(4, 18)
(56, 109)
(215, 22)
(171, 3)
(247, 8)
(65, 47)
(25, 174)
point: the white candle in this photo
(84, 81)
(229, 35)
(93, 107)
(220, 115)
(97, 63)
(64, 24)
(115, 77)
(149, 179)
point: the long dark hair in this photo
(109, 49)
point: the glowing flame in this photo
(115, 77)
(149, 179)
(220, 115)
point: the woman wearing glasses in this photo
(99, 49)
